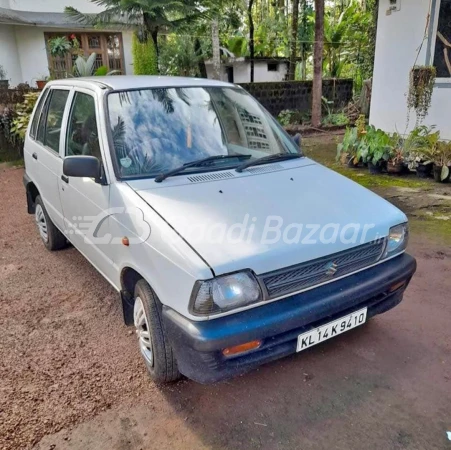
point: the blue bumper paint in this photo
(198, 345)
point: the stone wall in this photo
(297, 95)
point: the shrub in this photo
(23, 114)
(144, 56)
(289, 117)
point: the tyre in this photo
(153, 342)
(52, 238)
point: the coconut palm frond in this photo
(118, 134)
(113, 16)
(181, 94)
(162, 96)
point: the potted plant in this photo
(442, 162)
(375, 149)
(418, 147)
(41, 81)
(347, 150)
(421, 86)
(59, 46)
(4, 82)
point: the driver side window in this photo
(82, 132)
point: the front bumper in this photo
(198, 345)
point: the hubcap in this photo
(143, 331)
(41, 223)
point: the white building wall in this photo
(399, 35)
(9, 55)
(85, 6)
(242, 72)
(32, 53)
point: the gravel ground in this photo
(71, 376)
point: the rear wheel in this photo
(152, 339)
(52, 238)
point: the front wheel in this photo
(153, 342)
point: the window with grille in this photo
(107, 46)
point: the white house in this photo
(238, 70)
(26, 25)
(404, 25)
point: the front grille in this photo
(312, 273)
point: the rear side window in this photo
(37, 115)
(49, 128)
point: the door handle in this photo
(35, 155)
(65, 179)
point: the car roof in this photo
(120, 82)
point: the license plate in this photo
(331, 329)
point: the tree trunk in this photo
(304, 45)
(251, 37)
(201, 63)
(294, 39)
(154, 35)
(317, 90)
(216, 50)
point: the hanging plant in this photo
(421, 86)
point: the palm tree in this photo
(251, 36)
(294, 39)
(151, 16)
(317, 90)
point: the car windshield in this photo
(160, 129)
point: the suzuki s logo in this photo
(331, 269)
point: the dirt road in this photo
(71, 376)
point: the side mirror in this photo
(82, 167)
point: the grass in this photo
(430, 226)
(363, 177)
(14, 163)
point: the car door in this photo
(42, 149)
(85, 201)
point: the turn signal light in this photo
(242, 348)
(397, 286)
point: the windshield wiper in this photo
(197, 163)
(268, 159)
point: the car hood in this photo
(267, 221)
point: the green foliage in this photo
(289, 117)
(376, 146)
(350, 145)
(102, 71)
(6, 123)
(3, 73)
(360, 124)
(59, 46)
(178, 56)
(335, 119)
(144, 57)
(238, 45)
(149, 15)
(23, 115)
(421, 86)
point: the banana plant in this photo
(86, 67)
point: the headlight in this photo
(225, 293)
(397, 239)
